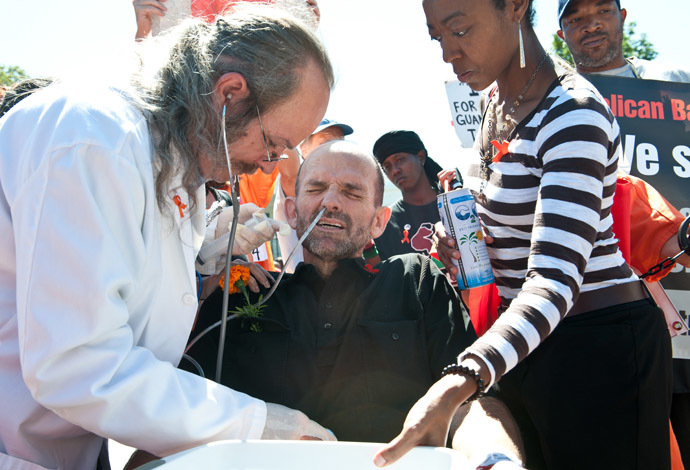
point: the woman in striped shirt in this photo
(582, 354)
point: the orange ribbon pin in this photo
(180, 206)
(502, 149)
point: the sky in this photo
(389, 73)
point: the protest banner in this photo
(654, 117)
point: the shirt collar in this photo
(346, 267)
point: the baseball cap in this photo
(563, 4)
(326, 123)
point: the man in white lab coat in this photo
(102, 214)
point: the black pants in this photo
(596, 393)
(680, 419)
(680, 407)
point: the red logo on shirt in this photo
(369, 268)
(422, 241)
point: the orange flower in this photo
(238, 273)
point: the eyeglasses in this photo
(263, 135)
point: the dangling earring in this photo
(522, 45)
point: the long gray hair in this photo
(266, 45)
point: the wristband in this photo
(458, 369)
(199, 281)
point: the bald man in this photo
(350, 346)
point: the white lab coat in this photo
(97, 291)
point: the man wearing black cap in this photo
(593, 32)
(405, 162)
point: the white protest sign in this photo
(464, 108)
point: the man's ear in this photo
(421, 156)
(624, 13)
(291, 212)
(560, 34)
(383, 214)
(229, 87)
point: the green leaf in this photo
(559, 48)
(638, 47)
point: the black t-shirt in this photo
(409, 230)
(353, 352)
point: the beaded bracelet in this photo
(464, 370)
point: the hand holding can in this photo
(459, 217)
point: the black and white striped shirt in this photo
(547, 205)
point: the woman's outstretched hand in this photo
(428, 421)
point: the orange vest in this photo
(258, 188)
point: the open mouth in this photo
(330, 225)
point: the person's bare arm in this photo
(483, 427)
(429, 420)
(672, 248)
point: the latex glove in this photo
(287, 424)
(247, 210)
(211, 258)
(257, 231)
